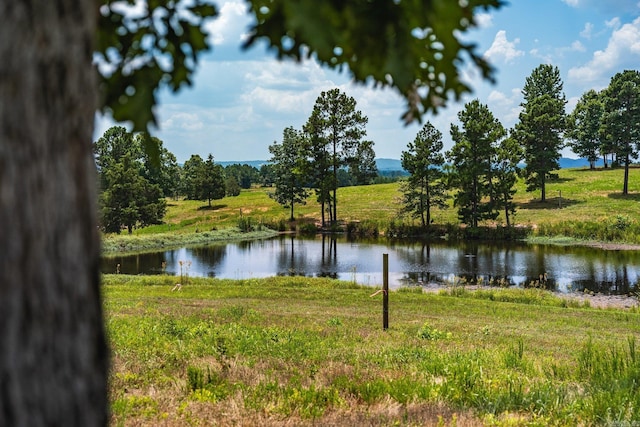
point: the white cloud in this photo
(622, 51)
(229, 27)
(578, 46)
(182, 121)
(572, 3)
(588, 31)
(505, 106)
(503, 48)
(613, 23)
(484, 20)
(546, 58)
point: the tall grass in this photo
(304, 351)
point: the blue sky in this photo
(241, 101)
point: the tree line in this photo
(134, 186)
(330, 151)
(481, 169)
(331, 144)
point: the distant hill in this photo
(566, 163)
(394, 165)
(388, 165)
(255, 163)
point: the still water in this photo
(567, 268)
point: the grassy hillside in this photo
(581, 203)
(303, 351)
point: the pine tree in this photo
(540, 127)
(425, 188)
(471, 163)
(335, 131)
(583, 127)
(362, 167)
(505, 174)
(622, 118)
(288, 160)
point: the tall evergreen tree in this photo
(583, 127)
(336, 130)
(191, 176)
(319, 165)
(289, 160)
(622, 118)
(130, 199)
(505, 174)
(471, 159)
(540, 127)
(362, 167)
(212, 182)
(425, 188)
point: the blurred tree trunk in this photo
(53, 355)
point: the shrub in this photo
(308, 228)
(244, 224)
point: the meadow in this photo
(581, 205)
(289, 351)
(312, 351)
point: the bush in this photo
(307, 228)
(364, 228)
(244, 224)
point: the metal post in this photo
(385, 291)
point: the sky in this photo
(242, 100)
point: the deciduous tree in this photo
(203, 179)
(411, 46)
(245, 175)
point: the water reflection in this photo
(414, 262)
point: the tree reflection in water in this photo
(423, 263)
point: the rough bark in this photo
(53, 356)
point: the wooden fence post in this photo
(385, 291)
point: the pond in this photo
(560, 268)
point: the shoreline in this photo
(114, 245)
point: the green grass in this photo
(307, 351)
(591, 208)
(152, 242)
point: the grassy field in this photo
(581, 204)
(302, 351)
